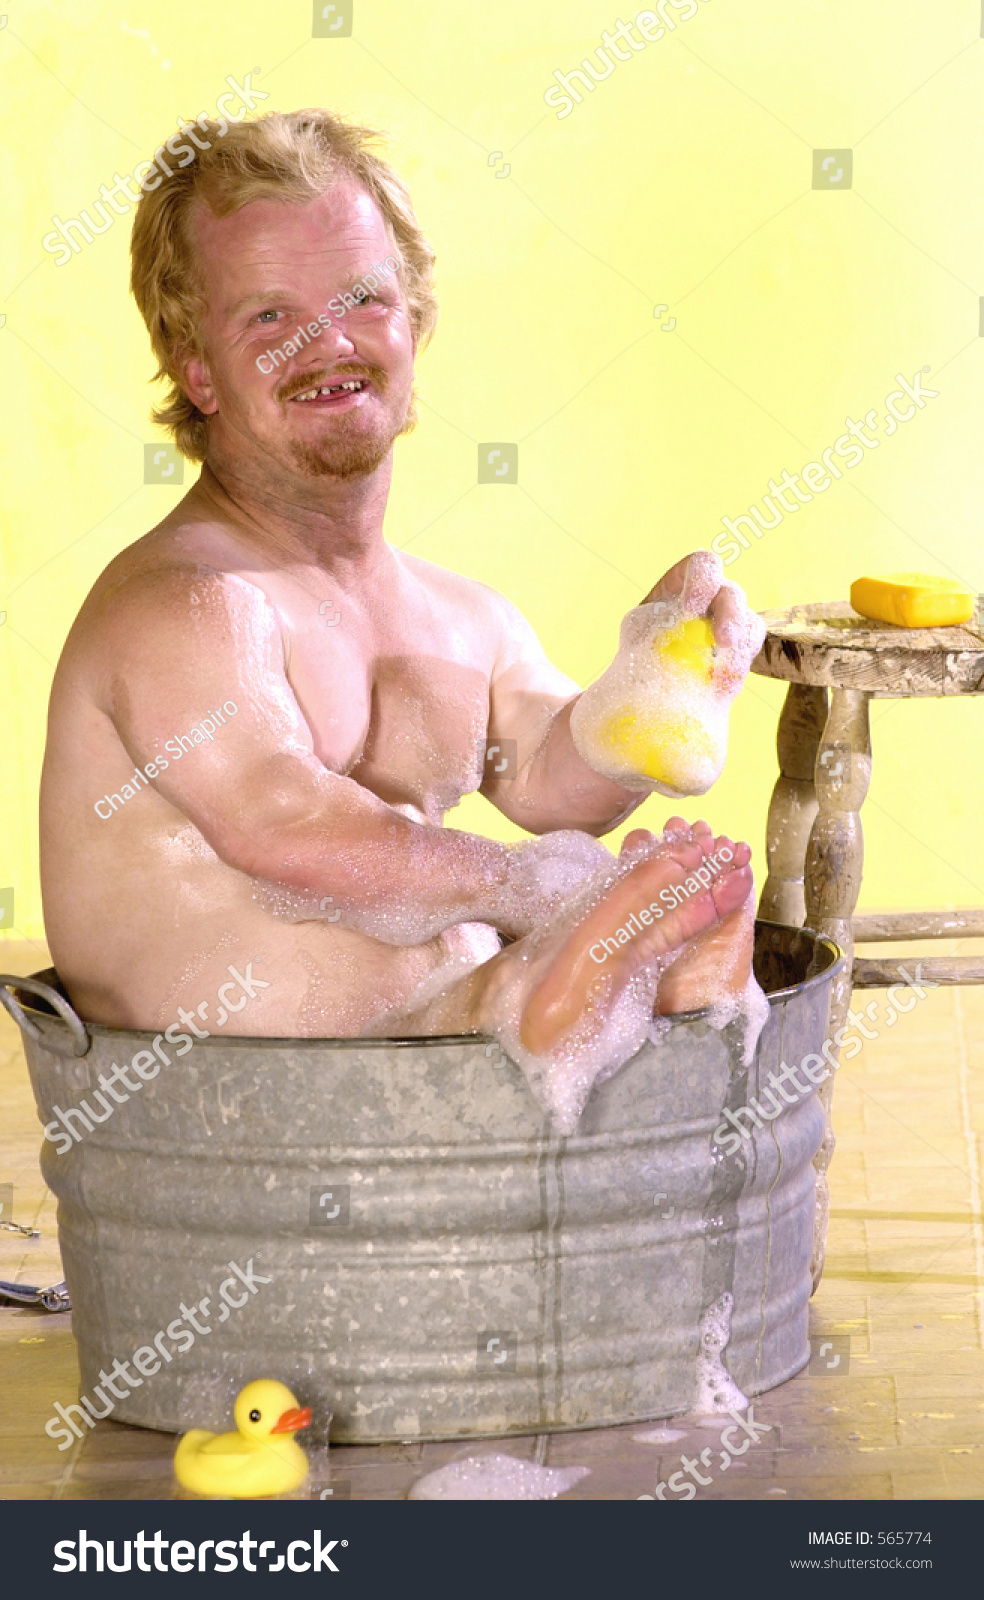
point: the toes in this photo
(741, 853)
(676, 825)
(685, 853)
(731, 890)
(739, 634)
(638, 839)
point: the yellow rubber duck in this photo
(260, 1458)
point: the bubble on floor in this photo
(496, 1477)
(716, 1388)
(659, 1436)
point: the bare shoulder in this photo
(186, 562)
(466, 597)
(173, 590)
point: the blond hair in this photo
(293, 156)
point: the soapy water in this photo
(609, 1031)
(716, 1396)
(496, 1477)
(613, 1027)
(716, 1388)
(657, 719)
(534, 881)
(603, 1039)
(659, 1436)
(748, 1010)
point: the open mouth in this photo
(332, 393)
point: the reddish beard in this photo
(341, 455)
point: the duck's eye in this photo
(254, 1416)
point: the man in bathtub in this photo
(263, 711)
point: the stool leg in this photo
(794, 804)
(834, 864)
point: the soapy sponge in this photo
(671, 745)
(913, 600)
(658, 718)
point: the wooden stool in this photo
(814, 841)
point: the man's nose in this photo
(333, 343)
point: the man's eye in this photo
(265, 314)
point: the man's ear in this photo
(197, 384)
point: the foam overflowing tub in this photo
(412, 1247)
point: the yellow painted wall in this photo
(684, 178)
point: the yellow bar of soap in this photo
(913, 600)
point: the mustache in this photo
(321, 377)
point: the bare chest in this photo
(405, 717)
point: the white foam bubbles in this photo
(659, 1436)
(657, 719)
(748, 1007)
(716, 1388)
(496, 1477)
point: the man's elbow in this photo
(261, 858)
(276, 850)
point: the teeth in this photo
(312, 394)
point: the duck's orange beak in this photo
(300, 1417)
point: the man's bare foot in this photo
(638, 921)
(718, 963)
(716, 967)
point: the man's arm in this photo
(531, 702)
(181, 642)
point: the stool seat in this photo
(827, 644)
(835, 662)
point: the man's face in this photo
(275, 265)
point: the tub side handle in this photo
(79, 1042)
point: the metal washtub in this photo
(481, 1275)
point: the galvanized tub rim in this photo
(33, 1007)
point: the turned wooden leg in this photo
(834, 864)
(794, 804)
